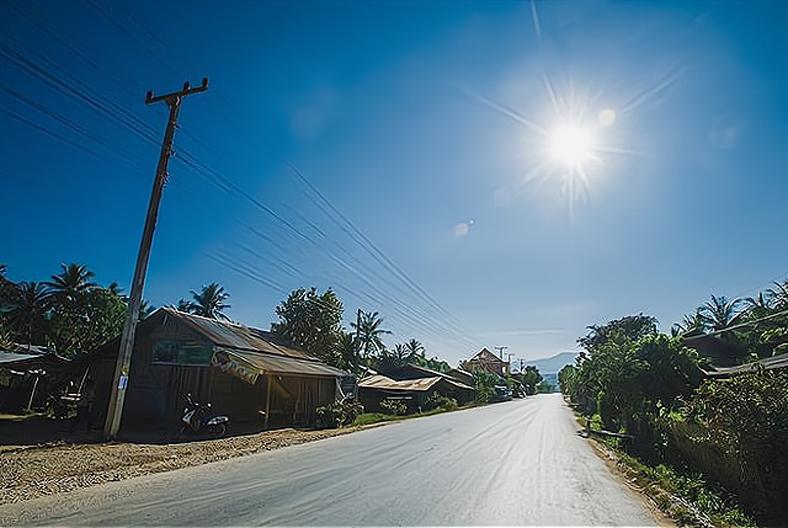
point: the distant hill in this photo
(554, 363)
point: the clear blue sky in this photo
(410, 118)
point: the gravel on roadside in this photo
(46, 470)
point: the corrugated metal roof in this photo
(24, 348)
(380, 381)
(284, 365)
(770, 363)
(13, 357)
(237, 336)
(457, 384)
(432, 373)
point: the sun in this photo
(571, 146)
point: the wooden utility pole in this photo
(358, 340)
(121, 379)
(500, 350)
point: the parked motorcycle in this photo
(197, 419)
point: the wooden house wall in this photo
(156, 391)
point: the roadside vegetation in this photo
(717, 443)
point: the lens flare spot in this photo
(607, 117)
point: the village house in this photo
(413, 385)
(245, 373)
(484, 360)
(28, 375)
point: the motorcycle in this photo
(197, 419)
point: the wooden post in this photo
(269, 380)
(33, 393)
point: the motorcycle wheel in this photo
(218, 431)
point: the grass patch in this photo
(688, 498)
(370, 418)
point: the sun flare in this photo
(571, 146)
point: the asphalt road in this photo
(513, 463)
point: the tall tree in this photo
(400, 354)
(690, 324)
(313, 321)
(531, 378)
(631, 327)
(370, 333)
(86, 325)
(209, 302)
(72, 282)
(414, 348)
(719, 313)
(28, 316)
(778, 294)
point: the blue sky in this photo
(411, 120)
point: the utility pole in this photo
(358, 340)
(500, 350)
(121, 378)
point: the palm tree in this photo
(73, 281)
(370, 333)
(184, 306)
(779, 295)
(400, 354)
(29, 313)
(690, 323)
(719, 313)
(759, 306)
(146, 309)
(414, 348)
(115, 288)
(210, 302)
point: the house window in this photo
(172, 352)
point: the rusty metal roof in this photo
(269, 363)
(237, 336)
(380, 381)
(770, 363)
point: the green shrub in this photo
(338, 414)
(484, 383)
(394, 407)
(738, 430)
(438, 400)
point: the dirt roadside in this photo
(37, 471)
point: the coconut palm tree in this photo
(779, 295)
(759, 306)
(73, 281)
(209, 302)
(115, 288)
(28, 315)
(400, 354)
(414, 348)
(690, 323)
(719, 313)
(370, 334)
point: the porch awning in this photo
(249, 365)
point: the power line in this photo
(105, 108)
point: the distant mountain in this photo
(554, 363)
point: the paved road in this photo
(519, 462)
